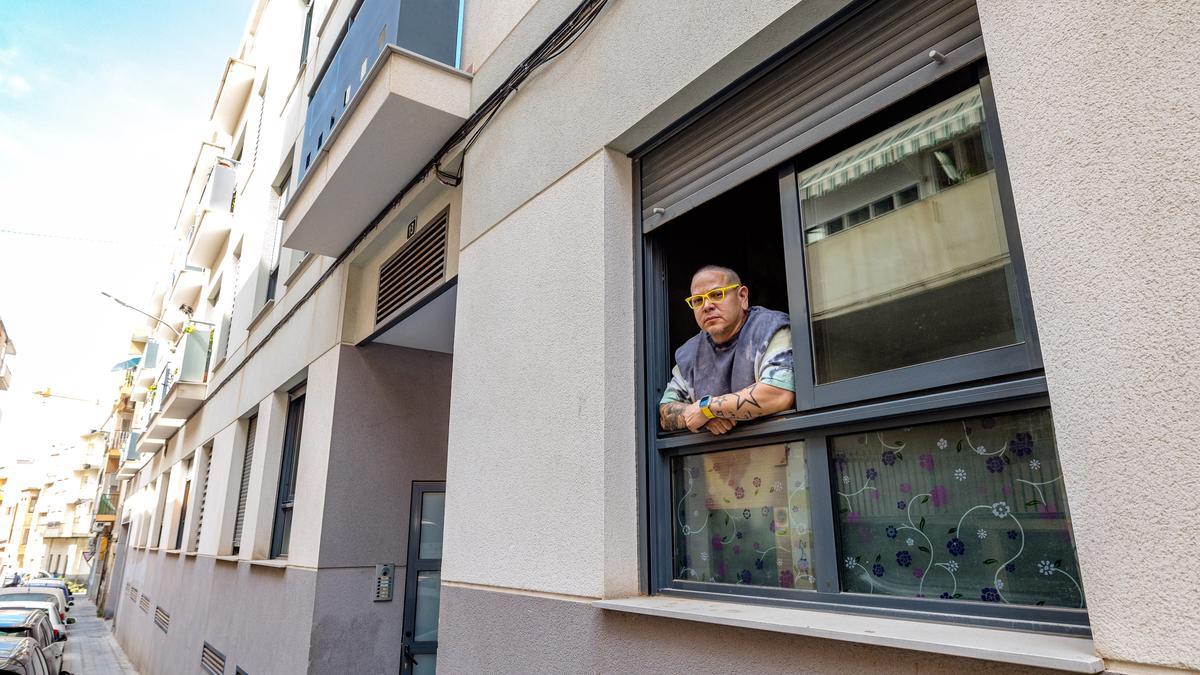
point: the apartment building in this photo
(7, 349)
(403, 407)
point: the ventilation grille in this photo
(131, 591)
(419, 264)
(161, 619)
(211, 660)
(244, 490)
(144, 603)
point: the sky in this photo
(103, 105)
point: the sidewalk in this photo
(91, 647)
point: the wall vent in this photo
(161, 618)
(211, 660)
(132, 591)
(144, 603)
(418, 265)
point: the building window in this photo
(239, 519)
(183, 505)
(286, 495)
(918, 474)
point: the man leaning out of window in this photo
(738, 368)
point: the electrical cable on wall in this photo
(558, 42)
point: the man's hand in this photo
(720, 425)
(693, 418)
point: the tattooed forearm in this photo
(754, 401)
(670, 416)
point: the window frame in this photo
(1004, 379)
(288, 470)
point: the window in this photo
(918, 475)
(286, 495)
(183, 506)
(308, 17)
(239, 518)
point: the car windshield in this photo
(37, 597)
(15, 631)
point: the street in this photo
(91, 647)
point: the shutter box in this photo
(808, 93)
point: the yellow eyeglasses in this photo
(715, 295)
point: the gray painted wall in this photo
(390, 424)
(259, 617)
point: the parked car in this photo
(25, 575)
(35, 623)
(38, 595)
(52, 583)
(24, 656)
(57, 623)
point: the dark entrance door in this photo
(423, 578)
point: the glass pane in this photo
(429, 591)
(285, 530)
(742, 517)
(970, 509)
(433, 507)
(919, 269)
(426, 664)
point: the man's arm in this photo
(674, 416)
(757, 400)
(754, 401)
(670, 416)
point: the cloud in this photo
(13, 85)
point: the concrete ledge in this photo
(279, 564)
(173, 551)
(226, 558)
(1016, 647)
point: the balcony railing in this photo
(432, 28)
(106, 505)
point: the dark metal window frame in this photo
(415, 565)
(999, 380)
(285, 495)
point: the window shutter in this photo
(419, 265)
(203, 500)
(743, 133)
(244, 490)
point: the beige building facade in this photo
(432, 264)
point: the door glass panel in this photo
(742, 517)
(426, 664)
(429, 590)
(433, 508)
(906, 247)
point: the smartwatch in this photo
(703, 403)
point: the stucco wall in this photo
(1099, 103)
(538, 408)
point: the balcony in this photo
(388, 99)
(106, 509)
(236, 83)
(180, 387)
(211, 228)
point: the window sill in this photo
(189, 554)
(226, 558)
(300, 267)
(173, 551)
(262, 312)
(278, 564)
(990, 644)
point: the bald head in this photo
(730, 276)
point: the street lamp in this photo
(127, 305)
